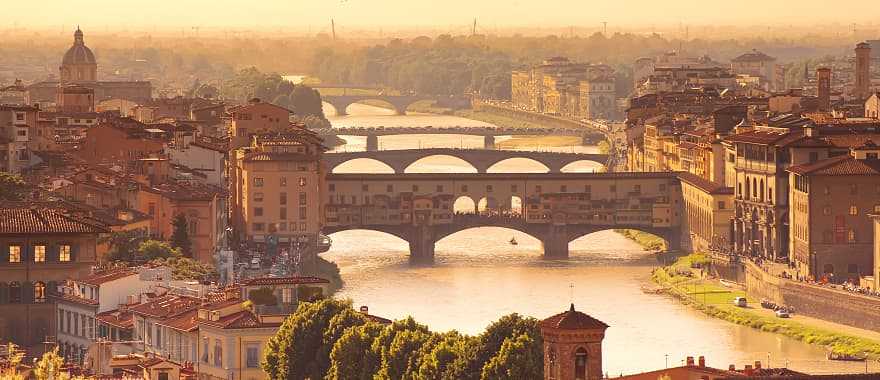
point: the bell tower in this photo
(573, 346)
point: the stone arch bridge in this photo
(555, 208)
(480, 159)
(399, 103)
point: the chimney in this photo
(365, 309)
(702, 361)
(823, 79)
(690, 361)
(731, 367)
(748, 370)
(757, 364)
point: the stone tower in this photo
(572, 346)
(863, 71)
(823, 79)
(78, 64)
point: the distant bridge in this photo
(554, 208)
(399, 103)
(480, 159)
(587, 135)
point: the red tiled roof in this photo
(839, 166)
(74, 299)
(705, 185)
(33, 218)
(116, 318)
(188, 321)
(573, 320)
(240, 320)
(285, 281)
(278, 156)
(166, 306)
(99, 278)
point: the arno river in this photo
(479, 277)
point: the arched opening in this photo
(487, 205)
(580, 364)
(363, 165)
(39, 292)
(328, 109)
(440, 163)
(518, 165)
(352, 247)
(371, 107)
(464, 205)
(516, 205)
(583, 166)
(478, 241)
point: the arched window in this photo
(580, 364)
(39, 292)
(15, 292)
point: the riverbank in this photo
(647, 241)
(330, 271)
(684, 280)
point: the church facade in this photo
(80, 68)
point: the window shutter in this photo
(53, 252)
(27, 292)
(4, 253)
(4, 293)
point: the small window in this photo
(283, 213)
(851, 236)
(331, 187)
(282, 198)
(258, 182)
(389, 188)
(302, 213)
(853, 189)
(39, 253)
(64, 253)
(721, 205)
(253, 355)
(258, 197)
(853, 268)
(302, 181)
(853, 210)
(259, 227)
(826, 210)
(283, 181)
(302, 199)
(14, 253)
(258, 211)
(39, 292)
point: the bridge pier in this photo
(421, 246)
(555, 243)
(372, 143)
(489, 142)
(587, 140)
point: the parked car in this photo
(255, 263)
(740, 301)
(782, 313)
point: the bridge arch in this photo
(376, 102)
(390, 231)
(536, 166)
(582, 166)
(576, 232)
(413, 167)
(464, 204)
(530, 241)
(349, 166)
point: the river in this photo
(479, 276)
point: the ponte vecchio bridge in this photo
(555, 208)
(480, 159)
(587, 135)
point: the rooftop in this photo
(844, 165)
(573, 320)
(37, 218)
(285, 281)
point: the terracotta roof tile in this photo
(35, 218)
(99, 278)
(116, 318)
(188, 321)
(704, 184)
(573, 320)
(839, 166)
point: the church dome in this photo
(79, 53)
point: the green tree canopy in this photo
(150, 250)
(352, 357)
(180, 238)
(518, 358)
(185, 268)
(124, 244)
(12, 187)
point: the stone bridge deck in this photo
(454, 130)
(480, 159)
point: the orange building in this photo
(244, 122)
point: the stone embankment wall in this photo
(548, 120)
(818, 302)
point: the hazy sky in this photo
(316, 13)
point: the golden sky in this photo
(447, 13)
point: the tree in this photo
(49, 366)
(471, 362)
(518, 358)
(296, 351)
(184, 268)
(306, 101)
(150, 250)
(124, 244)
(13, 360)
(263, 296)
(352, 357)
(12, 187)
(436, 362)
(180, 236)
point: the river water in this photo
(479, 276)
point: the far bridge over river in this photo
(555, 208)
(588, 136)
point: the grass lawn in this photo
(716, 300)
